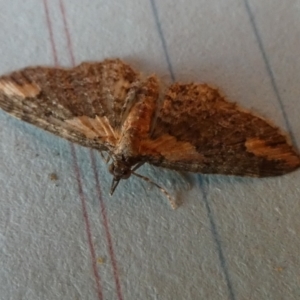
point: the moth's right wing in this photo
(84, 104)
(197, 130)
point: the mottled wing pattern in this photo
(197, 130)
(84, 104)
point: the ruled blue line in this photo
(269, 70)
(203, 187)
(162, 38)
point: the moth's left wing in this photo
(82, 104)
(197, 130)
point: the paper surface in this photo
(231, 239)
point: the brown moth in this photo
(110, 107)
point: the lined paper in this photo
(233, 238)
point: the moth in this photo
(112, 108)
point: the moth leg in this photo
(106, 159)
(172, 202)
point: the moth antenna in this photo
(114, 185)
(137, 166)
(102, 156)
(172, 202)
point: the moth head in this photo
(119, 170)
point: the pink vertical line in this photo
(54, 52)
(107, 231)
(77, 174)
(102, 205)
(87, 223)
(67, 32)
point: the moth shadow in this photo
(38, 140)
(205, 182)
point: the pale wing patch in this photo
(171, 149)
(260, 148)
(28, 90)
(94, 128)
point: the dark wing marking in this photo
(84, 104)
(198, 131)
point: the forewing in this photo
(83, 104)
(197, 130)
